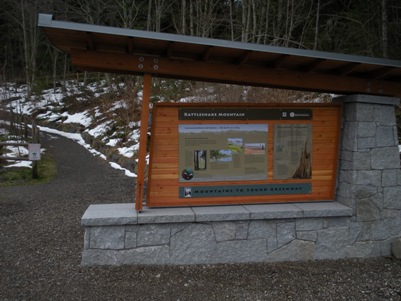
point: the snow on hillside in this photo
(50, 104)
(96, 120)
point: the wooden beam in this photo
(206, 55)
(382, 72)
(348, 68)
(143, 139)
(244, 57)
(130, 47)
(232, 73)
(278, 61)
(170, 49)
(89, 41)
(310, 67)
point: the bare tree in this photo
(384, 23)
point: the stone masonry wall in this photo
(370, 177)
(363, 221)
(225, 242)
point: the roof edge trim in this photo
(46, 21)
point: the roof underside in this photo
(117, 50)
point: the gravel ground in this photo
(41, 242)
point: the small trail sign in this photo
(34, 151)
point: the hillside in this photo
(104, 115)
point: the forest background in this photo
(361, 27)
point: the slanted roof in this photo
(119, 50)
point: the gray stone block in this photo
(237, 251)
(259, 229)
(385, 136)
(350, 112)
(131, 237)
(364, 249)
(221, 213)
(363, 191)
(387, 115)
(367, 211)
(336, 222)
(332, 243)
(392, 197)
(364, 112)
(366, 143)
(285, 233)
(394, 224)
(273, 211)
(224, 231)
(153, 235)
(369, 177)
(396, 248)
(241, 230)
(166, 215)
(376, 230)
(145, 255)
(109, 214)
(385, 158)
(87, 236)
(307, 224)
(366, 129)
(369, 99)
(361, 160)
(193, 245)
(307, 235)
(107, 237)
(322, 209)
(350, 134)
(297, 250)
(175, 228)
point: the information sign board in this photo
(34, 151)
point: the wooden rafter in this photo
(228, 73)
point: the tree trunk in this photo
(384, 29)
(317, 25)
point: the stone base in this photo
(116, 235)
(396, 248)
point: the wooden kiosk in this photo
(209, 154)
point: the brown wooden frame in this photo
(163, 169)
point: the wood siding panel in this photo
(163, 177)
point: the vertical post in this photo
(35, 139)
(140, 180)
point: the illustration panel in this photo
(292, 151)
(222, 152)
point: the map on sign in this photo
(222, 152)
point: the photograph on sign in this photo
(222, 152)
(292, 151)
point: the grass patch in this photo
(15, 176)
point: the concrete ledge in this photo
(125, 214)
(369, 99)
(109, 214)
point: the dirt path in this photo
(41, 242)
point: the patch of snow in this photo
(128, 151)
(135, 134)
(20, 164)
(113, 142)
(100, 130)
(16, 151)
(80, 118)
(127, 172)
(119, 105)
